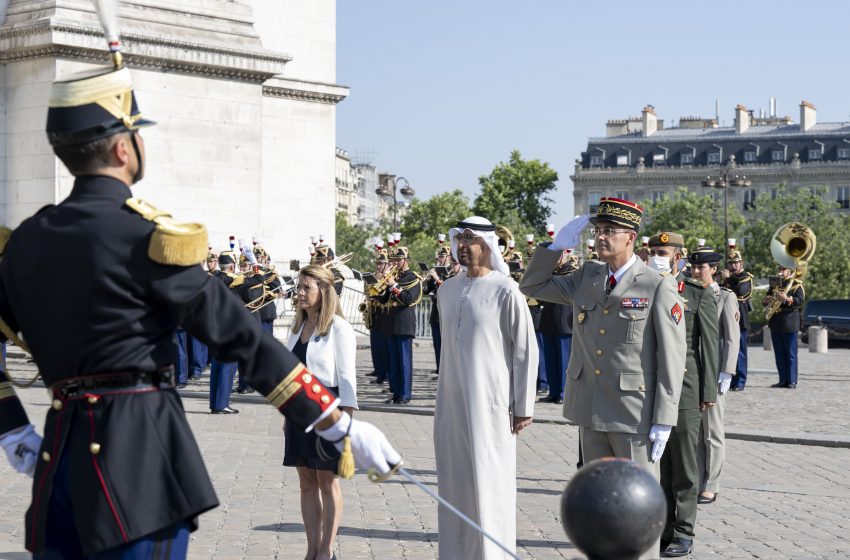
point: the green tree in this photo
(425, 219)
(826, 277)
(517, 191)
(694, 216)
(357, 240)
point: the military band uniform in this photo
(399, 326)
(742, 285)
(339, 280)
(556, 329)
(536, 310)
(784, 326)
(679, 469)
(181, 365)
(712, 445)
(628, 353)
(430, 287)
(223, 372)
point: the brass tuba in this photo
(504, 235)
(792, 246)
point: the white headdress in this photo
(484, 229)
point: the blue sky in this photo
(443, 90)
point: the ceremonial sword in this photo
(375, 477)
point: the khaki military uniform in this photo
(712, 444)
(628, 354)
(679, 469)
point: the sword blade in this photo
(402, 471)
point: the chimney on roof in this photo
(807, 115)
(650, 121)
(742, 119)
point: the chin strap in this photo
(140, 170)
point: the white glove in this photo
(248, 252)
(659, 434)
(21, 447)
(724, 381)
(368, 444)
(570, 235)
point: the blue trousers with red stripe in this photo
(63, 543)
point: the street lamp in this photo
(385, 191)
(728, 178)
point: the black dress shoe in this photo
(377, 382)
(791, 386)
(736, 388)
(225, 410)
(390, 401)
(245, 391)
(779, 386)
(403, 401)
(181, 385)
(704, 500)
(679, 547)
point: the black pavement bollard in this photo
(613, 509)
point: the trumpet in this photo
(342, 259)
(378, 287)
(259, 302)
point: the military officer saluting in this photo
(118, 470)
(741, 282)
(679, 467)
(628, 352)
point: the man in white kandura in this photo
(485, 396)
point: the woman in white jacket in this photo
(324, 341)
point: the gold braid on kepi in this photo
(172, 242)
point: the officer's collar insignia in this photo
(635, 302)
(676, 313)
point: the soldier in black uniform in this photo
(556, 329)
(377, 313)
(324, 255)
(535, 307)
(118, 470)
(223, 372)
(741, 282)
(443, 258)
(199, 353)
(784, 325)
(399, 325)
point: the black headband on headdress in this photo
(475, 227)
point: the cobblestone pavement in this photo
(777, 500)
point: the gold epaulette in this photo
(172, 242)
(236, 280)
(5, 234)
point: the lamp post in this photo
(405, 190)
(728, 177)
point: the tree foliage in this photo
(692, 215)
(517, 190)
(829, 269)
(357, 240)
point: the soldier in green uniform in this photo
(679, 467)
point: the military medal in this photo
(635, 302)
(581, 317)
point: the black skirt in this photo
(300, 448)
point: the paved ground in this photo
(777, 501)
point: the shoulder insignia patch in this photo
(676, 313)
(172, 242)
(681, 287)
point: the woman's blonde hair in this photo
(330, 305)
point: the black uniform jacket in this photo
(787, 318)
(113, 310)
(430, 287)
(400, 311)
(556, 319)
(742, 285)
